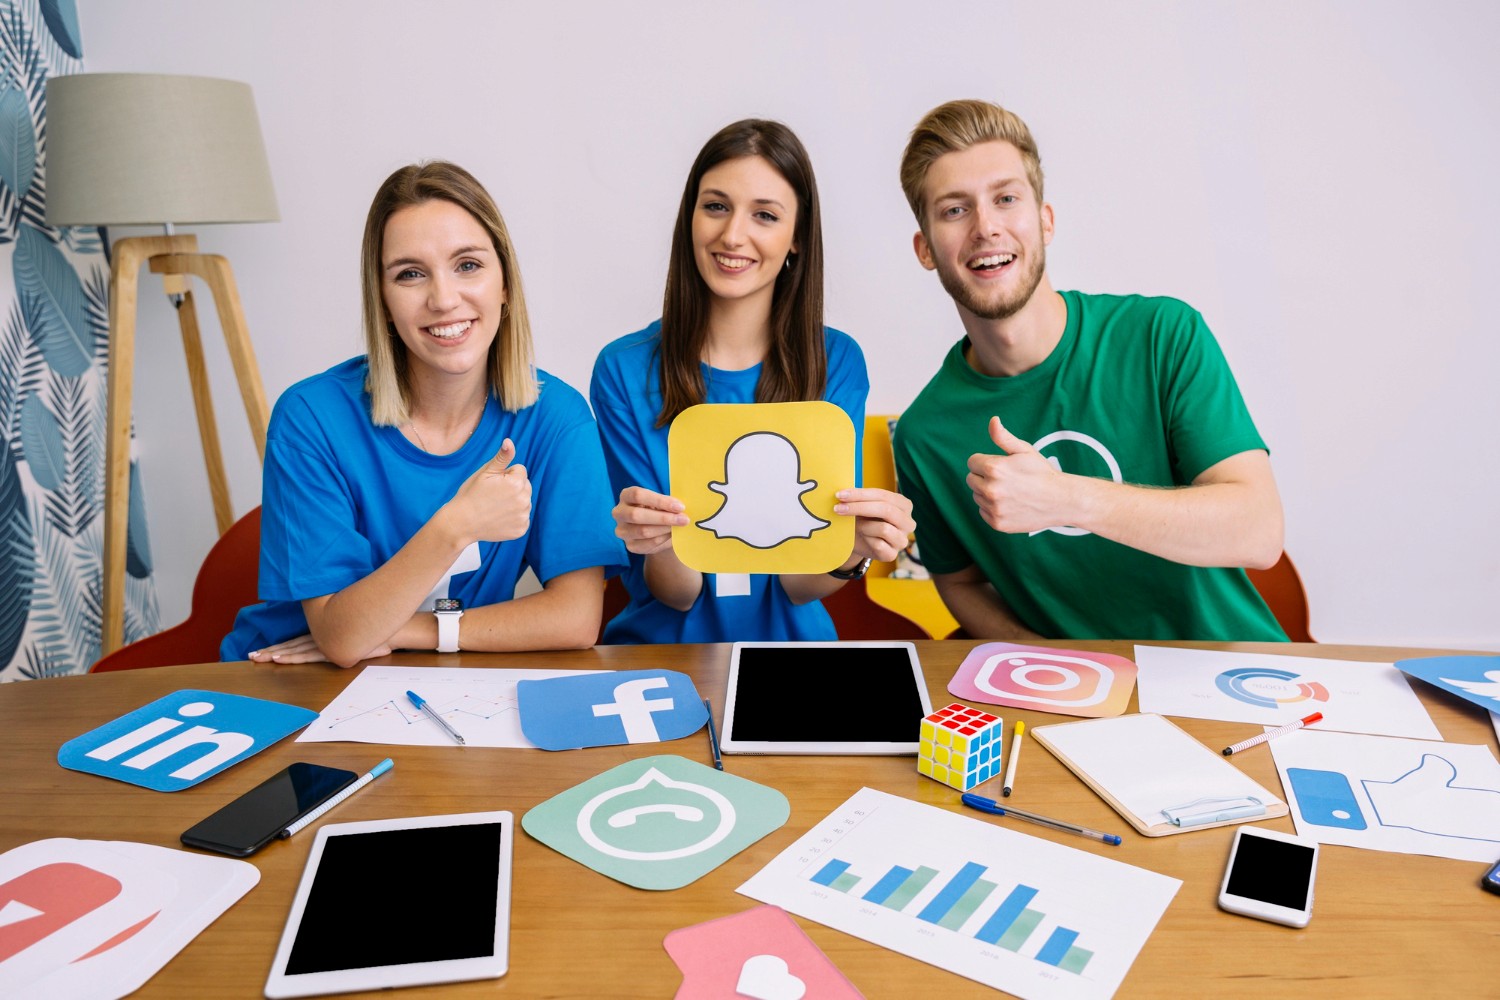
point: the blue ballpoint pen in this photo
(991, 806)
(422, 706)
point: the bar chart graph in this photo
(1009, 927)
(1022, 914)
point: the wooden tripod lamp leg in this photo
(220, 278)
(203, 402)
(124, 276)
(175, 257)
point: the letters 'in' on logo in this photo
(226, 746)
(182, 738)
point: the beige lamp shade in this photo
(147, 149)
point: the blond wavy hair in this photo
(954, 127)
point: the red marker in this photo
(1257, 740)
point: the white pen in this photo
(422, 706)
(1015, 755)
(317, 813)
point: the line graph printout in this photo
(479, 702)
(1018, 913)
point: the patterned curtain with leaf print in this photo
(54, 288)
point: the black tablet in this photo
(824, 698)
(399, 902)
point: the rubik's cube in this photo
(960, 746)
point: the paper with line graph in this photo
(1036, 919)
(479, 702)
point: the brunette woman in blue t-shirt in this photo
(742, 321)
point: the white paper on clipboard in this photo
(1149, 770)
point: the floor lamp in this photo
(135, 149)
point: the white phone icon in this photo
(627, 817)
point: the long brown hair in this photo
(512, 372)
(796, 367)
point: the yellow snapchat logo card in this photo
(758, 481)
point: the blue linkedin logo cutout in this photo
(177, 741)
(604, 709)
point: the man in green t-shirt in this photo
(1082, 466)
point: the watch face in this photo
(447, 604)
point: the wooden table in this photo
(1384, 925)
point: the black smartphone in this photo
(249, 823)
(1491, 880)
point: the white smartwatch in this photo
(447, 611)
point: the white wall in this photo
(1317, 178)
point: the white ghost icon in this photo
(762, 492)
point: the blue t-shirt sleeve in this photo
(571, 525)
(848, 389)
(309, 544)
(619, 407)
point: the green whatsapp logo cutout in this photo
(659, 822)
(683, 813)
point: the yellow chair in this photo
(915, 600)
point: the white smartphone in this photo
(1270, 876)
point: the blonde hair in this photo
(954, 127)
(512, 371)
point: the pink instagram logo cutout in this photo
(1064, 681)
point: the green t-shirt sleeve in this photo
(1207, 420)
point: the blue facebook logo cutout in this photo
(605, 709)
(156, 747)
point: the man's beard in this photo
(968, 297)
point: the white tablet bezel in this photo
(730, 745)
(491, 966)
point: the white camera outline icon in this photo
(1048, 661)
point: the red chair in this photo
(1281, 588)
(856, 616)
(226, 582)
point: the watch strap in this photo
(447, 623)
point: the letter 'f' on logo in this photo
(634, 709)
(226, 745)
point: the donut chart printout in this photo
(1271, 690)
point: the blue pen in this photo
(422, 706)
(991, 806)
(317, 813)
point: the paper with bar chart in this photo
(1015, 912)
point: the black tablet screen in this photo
(826, 694)
(394, 897)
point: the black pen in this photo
(713, 735)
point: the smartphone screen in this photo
(248, 823)
(1271, 871)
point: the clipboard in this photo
(1157, 776)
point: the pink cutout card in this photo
(1062, 681)
(759, 954)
